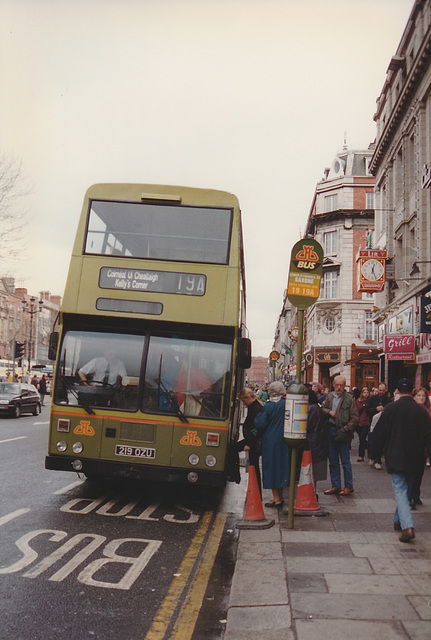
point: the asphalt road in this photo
(107, 560)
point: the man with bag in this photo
(341, 408)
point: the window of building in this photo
(330, 285)
(370, 199)
(331, 202)
(369, 326)
(329, 324)
(398, 177)
(330, 242)
(410, 166)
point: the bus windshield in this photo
(187, 375)
(182, 376)
(159, 232)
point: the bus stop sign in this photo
(305, 272)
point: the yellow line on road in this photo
(186, 622)
(193, 594)
(167, 609)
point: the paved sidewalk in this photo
(345, 574)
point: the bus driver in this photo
(105, 370)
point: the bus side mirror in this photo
(53, 345)
(244, 353)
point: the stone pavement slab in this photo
(269, 623)
(258, 551)
(352, 606)
(417, 630)
(263, 583)
(327, 565)
(354, 583)
(373, 630)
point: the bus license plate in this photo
(134, 452)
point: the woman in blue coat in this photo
(275, 452)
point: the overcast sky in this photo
(248, 96)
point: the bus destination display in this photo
(192, 284)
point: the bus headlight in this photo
(192, 476)
(77, 465)
(77, 447)
(61, 446)
(194, 458)
(210, 461)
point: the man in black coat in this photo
(375, 404)
(402, 433)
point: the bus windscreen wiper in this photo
(172, 400)
(69, 387)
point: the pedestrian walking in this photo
(275, 452)
(251, 442)
(363, 426)
(375, 404)
(343, 418)
(420, 395)
(402, 433)
(42, 390)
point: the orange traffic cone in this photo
(306, 499)
(254, 517)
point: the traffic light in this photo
(19, 349)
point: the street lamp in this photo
(31, 309)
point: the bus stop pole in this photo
(294, 449)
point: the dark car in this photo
(17, 398)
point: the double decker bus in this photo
(150, 343)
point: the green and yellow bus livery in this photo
(150, 343)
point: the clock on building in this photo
(373, 269)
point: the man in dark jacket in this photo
(342, 411)
(376, 404)
(402, 433)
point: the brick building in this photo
(258, 372)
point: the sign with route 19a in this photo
(305, 272)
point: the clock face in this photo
(372, 270)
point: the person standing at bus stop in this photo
(275, 452)
(341, 408)
(251, 442)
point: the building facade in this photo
(285, 343)
(339, 334)
(402, 167)
(257, 375)
(26, 318)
